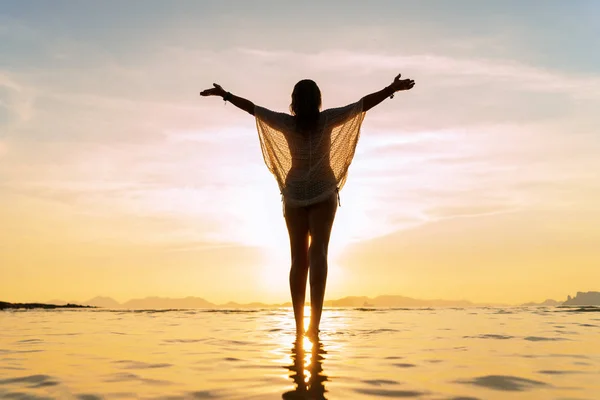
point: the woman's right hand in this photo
(402, 84)
(217, 90)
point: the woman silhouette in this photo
(309, 152)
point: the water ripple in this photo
(504, 382)
(33, 381)
(124, 377)
(404, 365)
(242, 354)
(141, 365)
(88, 397)
(389, 393)
(489, 336)
(25, 396)
(185, 340)
(379, 382)
(542, 339)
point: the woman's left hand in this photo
(402, 84)
(217, 90)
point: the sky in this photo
(118, 179)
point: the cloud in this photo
(131, 136)
(108, 150)
(16, 102)
(459, 70)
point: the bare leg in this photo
(296, 219)
(320, 217)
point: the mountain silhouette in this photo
(165, 302)
(6, 306)
(104, 302)
(584, 299)
(547, 302)
(394, 301)
(197, 302)
(155, 302)
(580, 299)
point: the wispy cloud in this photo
(103, 136)
(16, 101)
(462, 129)
(461, 70)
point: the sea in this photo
(363, 353)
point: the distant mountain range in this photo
(582, 298)
(154, 302)
(198, 302)
(395, 301)
(5, 306)
(548, 302)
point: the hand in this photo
(402, 84)
(217, 90)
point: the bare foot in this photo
(312, 334)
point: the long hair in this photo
(306, 103)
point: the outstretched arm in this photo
(237, 101)
(371, 100)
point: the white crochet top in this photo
(309, 166)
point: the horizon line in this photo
(283, 304)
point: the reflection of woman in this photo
(314, 388)
(309, 153)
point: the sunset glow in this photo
(117, 179)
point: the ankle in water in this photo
(312, 333)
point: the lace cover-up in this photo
(309, 165)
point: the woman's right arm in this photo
(371, 100)
(237, 101)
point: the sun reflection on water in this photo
(306, 370)
(475, 352)
(305, 359)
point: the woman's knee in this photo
(299, 262)
(318, 254)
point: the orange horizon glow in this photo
(117, 179)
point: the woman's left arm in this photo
(371, 100)
(237, 101)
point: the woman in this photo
(309, 152)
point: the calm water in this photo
(472, 353)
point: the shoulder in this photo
(276, 120)
(266, 114)
(357, 107)
(346, 111)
